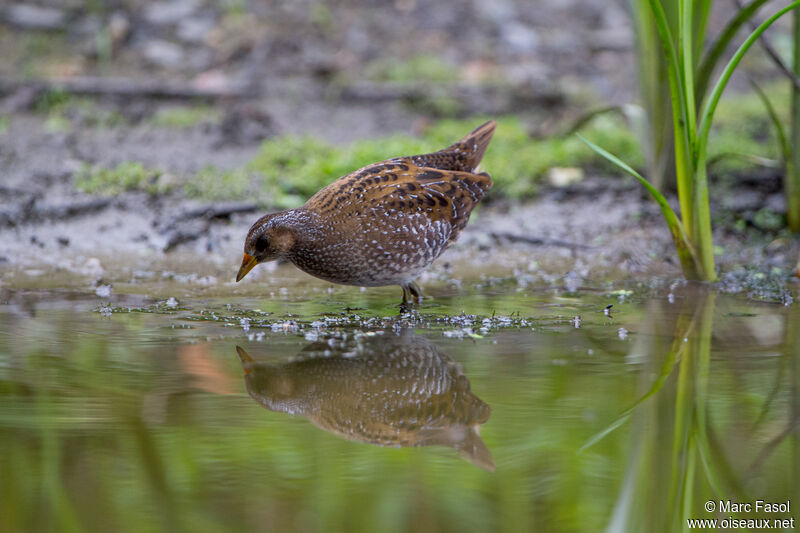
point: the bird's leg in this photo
(412, 295)
(404, 304)
(415, 292)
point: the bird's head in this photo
(267, 240)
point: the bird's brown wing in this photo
(391, 187)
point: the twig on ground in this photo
(114, 86)
(538, 241)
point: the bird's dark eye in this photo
(261, 244)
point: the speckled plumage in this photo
(383, 224)
(388, 391)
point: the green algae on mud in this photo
(288, 168)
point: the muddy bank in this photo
(232, 77)
(601, 228)
(597, 228)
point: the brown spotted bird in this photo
(383, 224)
(387, 390)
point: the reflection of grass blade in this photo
(771, 446)
(687, 490)
(686, 252)
(792, 429)
(792, 338)
(621, 419)
(702, 349)
(153, 467)
(711, 464)
(65, 515)
(772, 395)
(713, 454)
(684, 406)
(682, 330)
(620, 516)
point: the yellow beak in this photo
(247, 265)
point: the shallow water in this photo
(543, 411)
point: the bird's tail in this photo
(463, 156)
(474, 144)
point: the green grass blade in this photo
(627, 168)
(686, 253)
(684, 170)
(791, 181)
(686, 8)
(722, 82)
(714, 53)
(589, 116)
(753, 159)
(701, 234)
(657, 137)
(702, 11)
(786, 149)
(702, 237)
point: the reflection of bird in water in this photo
(386, 390)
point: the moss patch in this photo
(184, 117)
(63, 110)
(128, 176)
(418, 68)
(214, 184)
(289, 169)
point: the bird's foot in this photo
(412, 296)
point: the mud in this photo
(313, 77)
(599, 229)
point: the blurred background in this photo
(170, 107)
(336, 69)
(139, 140)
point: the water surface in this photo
(532, 410)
